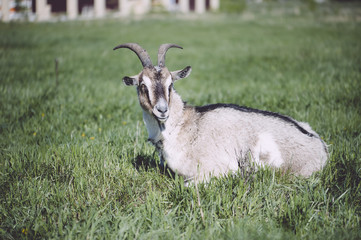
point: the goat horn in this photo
(141, 53)
(163, 50)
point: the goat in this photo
(213, 140)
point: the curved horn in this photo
(163, 50)
(141, 53)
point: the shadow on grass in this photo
(147, 162)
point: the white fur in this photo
(267, 148)
(147, 81)
(168, 81)
(148, 84)
(152, 127)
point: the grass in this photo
(74, 160)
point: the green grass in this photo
(74, 161)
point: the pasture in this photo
(74, 158)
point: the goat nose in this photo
(162, 109)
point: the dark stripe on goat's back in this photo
(211, 107)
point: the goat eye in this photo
(143, 88)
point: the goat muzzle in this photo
(161, 110)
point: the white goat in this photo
(212, 140)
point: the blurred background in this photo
(46, 10)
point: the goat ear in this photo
(130, 81)
(181, 73)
